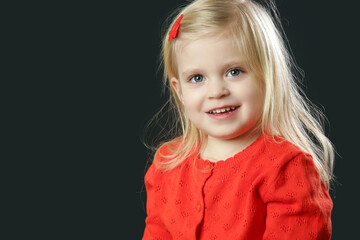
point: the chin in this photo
(224, 136)
(231, 135)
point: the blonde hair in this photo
(287, 113)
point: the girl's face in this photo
(220, 95)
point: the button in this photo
(209, 166)
(198, 207)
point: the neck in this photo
(217, 149)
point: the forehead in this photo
(207, 51)
(212, 40)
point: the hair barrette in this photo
(175, 28)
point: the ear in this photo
(175, 84)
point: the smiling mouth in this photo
(223, 110)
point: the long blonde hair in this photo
(257, 31)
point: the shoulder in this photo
(288, 166)
(159, 156)
(281, 151)
(165, 154)
(281, 158)
(276, 144)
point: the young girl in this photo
(252, 161)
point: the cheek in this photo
(192, 99)
(255, 92)
(258, 103)
(191, 104)
(254, 98)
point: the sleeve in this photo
(155, 228)
(298, 205)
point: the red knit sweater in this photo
(268, 191)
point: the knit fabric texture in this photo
(270, 190)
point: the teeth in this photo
(221, 110)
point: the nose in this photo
(218, 89)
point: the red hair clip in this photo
(175, 28)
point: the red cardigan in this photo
(268, 191)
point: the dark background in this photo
(99, 84)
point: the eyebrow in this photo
(190, 71)
(228, 64)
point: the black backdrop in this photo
(102, 66)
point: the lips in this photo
(221, 110)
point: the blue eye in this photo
(234, 72)
(197, 78)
